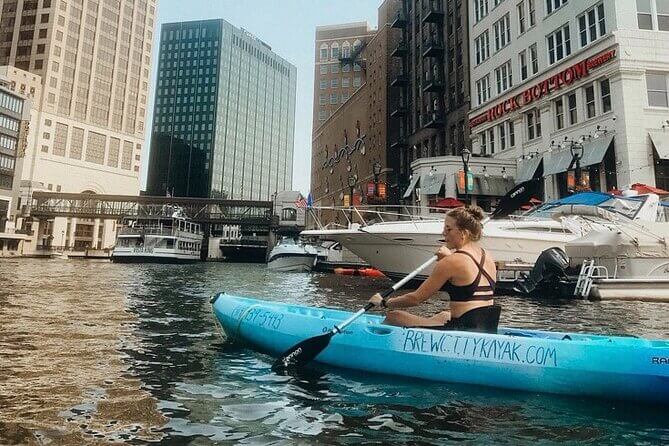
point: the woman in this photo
(463, 268)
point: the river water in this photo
(100, 353)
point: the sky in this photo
(289, 27)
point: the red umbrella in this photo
(533, 202)
(646, 189)
(449, 202)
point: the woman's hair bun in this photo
(476, 212)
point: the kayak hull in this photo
(612, 367)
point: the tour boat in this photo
(612, 367)
(169, 238)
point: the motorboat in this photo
(291, 255)
(396, 242)
(170, 237)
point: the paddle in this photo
(305, 351)
(308, 349)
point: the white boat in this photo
(170, 238)
(396, 247)
(59, 255)
(290, 255)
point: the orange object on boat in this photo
(346, 271)
(370, 272)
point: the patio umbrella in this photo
(646, 189)
(449, 202)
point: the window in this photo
(335, 50)
(656, 85)
(324, 69)
(605, 90)
(590, 101)
(532, 12)
(324, 52)
(559, 45)
(482, 47)
(345, 82)
(511, 134)
(502, 29)
(521, 17)
(644, 14)
(533, 124)
(324, 84)
(357, 81)
(356, 66)
(662, 15)
(491, 141)
(483, 89)
(503, 77)
(534, 60)
(573, 111)
(322, 100)
(334, 68)
(346, 68)
(483, 137)
(591, 24)
(334, 99)
(559, 114)
(334, 83)
(501, 129)
(552, 5)
(480, 9)
(522, 59)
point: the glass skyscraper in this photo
(224, 114)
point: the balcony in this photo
(433, 12)
(398, 109)
(400, 20)
(399, 143)
(434, 84)
(400, 50)
(434, 120)
(433, 47)
(399, 80)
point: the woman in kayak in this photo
(463, 269)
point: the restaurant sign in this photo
(562, 79)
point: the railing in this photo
(368, 215)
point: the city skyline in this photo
(300, 18)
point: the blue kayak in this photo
(611, 367)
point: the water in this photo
(100, 353)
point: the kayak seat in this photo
(481, 320)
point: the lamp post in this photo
(376, 170)
(576, 149)
(351, 184)
(465, 154)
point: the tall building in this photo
(224, 114)
(93, 61)
(338, 69)
(584, 84)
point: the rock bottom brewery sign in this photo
(543, 88)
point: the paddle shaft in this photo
(386, 293)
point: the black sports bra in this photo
(466, 293)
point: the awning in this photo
(491, 185)
(595, 150)
(593, 153)
(431, 184)
(411, 187)
(526, 168)
(557, 162)
(661, 143)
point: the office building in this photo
(224, 114)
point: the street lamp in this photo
(465, 154)
(351, 184)
(576, 149)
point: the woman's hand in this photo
(376, 300)
(443, 252)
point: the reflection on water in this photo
(98, 352)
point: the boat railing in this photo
(373, 214)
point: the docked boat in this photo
(169, 238)
(399, 241)
(611, 367)
(289, 255)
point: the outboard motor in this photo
(549, 276)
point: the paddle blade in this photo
(302, 353)
(517, 197)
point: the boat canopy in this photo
(626, 206)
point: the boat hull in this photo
(292, 263)
(529, 360)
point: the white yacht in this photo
(289, 255)
(396, 247)
(158, 239)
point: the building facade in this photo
(224, 114)
(338, 69)
(575, 92)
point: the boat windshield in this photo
(627, 206)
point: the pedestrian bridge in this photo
(202, 210)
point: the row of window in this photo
(653, 14)
(334, 83)
(482, 8)
(7, 162)
(9, 123)
(334, 98)
(184, 33)
(10, 102)
(7, 142)
(506, 136)
(332, 50)
(334, 68)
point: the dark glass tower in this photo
(224, 114)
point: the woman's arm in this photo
(441, 273)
